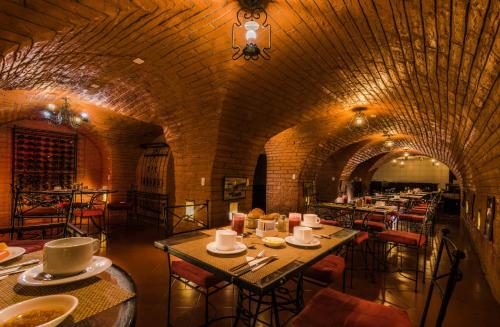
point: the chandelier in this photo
(388, 143)
(64, 115)
(359, 121)
(248, 18)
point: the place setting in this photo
(66, 261)
(52, 283)
(311, 220)
(303, 237)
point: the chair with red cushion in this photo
(330, 308)
(205, 282)
(122, 206)
(370, 225)
(91, 215)
(410, 240)
(329, 222)
(326, 271)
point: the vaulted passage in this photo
(143, 113)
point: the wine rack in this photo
(42, 159)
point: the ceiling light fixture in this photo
(64, 115)
(248, 18)
(388, 143)
(138, 61)
(359, 121)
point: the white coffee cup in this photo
(69, 256)
(311, 219)
(303, 234)
(225, 239)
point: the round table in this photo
(122, 315)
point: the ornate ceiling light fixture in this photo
(359, 121)
(388, 143)
(406, 153)
(251, 18)
(64, 115)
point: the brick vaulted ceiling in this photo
(427, 69)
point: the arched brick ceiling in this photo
(428, 68)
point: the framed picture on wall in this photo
(235, 188)
(490, 217)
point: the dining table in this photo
(106, 299)
(290, 262)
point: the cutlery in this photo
(263, 264)
(43, 276)
(321, 236)
(241, 265)
(12, 272)
(26, 263)
(249, 268)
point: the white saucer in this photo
(291, 240)
(98, 265)
(315, 226)
(238, 248)
(14, 252)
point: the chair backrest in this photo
(450, 277)
(40, 205)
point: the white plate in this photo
(98, 265)
(238, 248)
(14, 252)
(315, 226)
(293, 241)
(67, 302)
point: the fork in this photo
(241, 265)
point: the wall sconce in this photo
(359, 121)
(247, 25)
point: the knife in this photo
(263, 264)
(254, 265)
(26, 263)
(12, 271)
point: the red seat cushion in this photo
(119, 206)
(41, 211)
(330, 308)
(418, 211)
(376, 217)
(28, 245)
(329, 222)
(327, 270)
(401, 237)
(194, 274)
(360, 238)
(411, 217)
(371, 225)
(88, 212)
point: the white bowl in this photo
(68, 302)
(273, 242)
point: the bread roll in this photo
(271, 216)
(256, 213)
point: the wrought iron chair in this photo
(198, 279)
(350, 311)
(408, 240)
(454, 255)
(50, 211)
